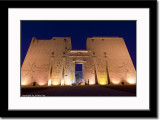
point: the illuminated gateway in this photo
(105, 61)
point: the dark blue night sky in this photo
(78, 31)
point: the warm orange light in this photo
(49, 82)
(102, 83)
(131, 81)
(23, 83)
(91, 83)
(68, 82)
(71, 77)
(62, 82)
(55, 83)
(41, 83)
(115, 82)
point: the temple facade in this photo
(105, 61)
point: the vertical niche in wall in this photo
(62, 80)
(107, 72)
(96, 79)
(51, 72)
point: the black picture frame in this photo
(152, 113)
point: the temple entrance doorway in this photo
(78, 73)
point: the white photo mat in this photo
(140, 102)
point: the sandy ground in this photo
(95, 90)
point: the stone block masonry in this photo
(105, 61)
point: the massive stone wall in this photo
(52, 62)
(112, 60)
(45, 60)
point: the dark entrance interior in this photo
(78, 73)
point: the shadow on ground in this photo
(96, 90)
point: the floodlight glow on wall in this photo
(49, 83)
